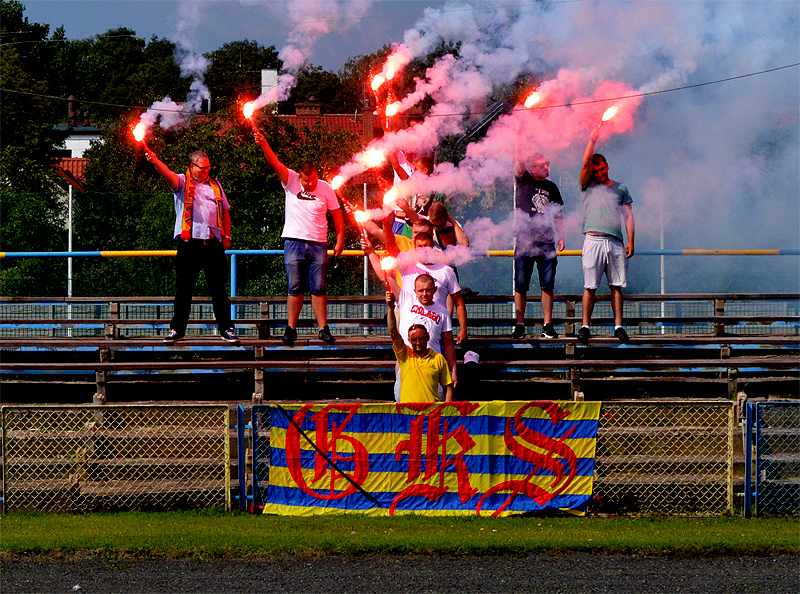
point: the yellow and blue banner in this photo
(457, 458)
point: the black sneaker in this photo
(289, 336)
(548, 331)
(173, 337)
(583, 335)
(621, 334)
(230, 336)
(519, 331)
(325, 335)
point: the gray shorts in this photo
(604, 254)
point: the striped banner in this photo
(460, 458)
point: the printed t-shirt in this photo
(306, 211)
(538, 203)
(204, 209)
(434, 317)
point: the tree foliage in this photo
(234, 73)
(126, 205)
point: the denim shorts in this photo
(546, 262)
(305, 261)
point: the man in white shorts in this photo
(606, 204)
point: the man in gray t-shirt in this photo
(606, 204)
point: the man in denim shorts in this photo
(305, 234)
(606, 204)
(538, 210)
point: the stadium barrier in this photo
(111, 458)
(665, 457)
(658, 457)
(772, 458)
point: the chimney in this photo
(310, 109)
(71, 115)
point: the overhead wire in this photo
(536, 107)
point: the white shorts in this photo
(604, 254)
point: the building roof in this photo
(71, 169)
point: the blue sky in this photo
(213, 23)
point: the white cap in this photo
(471, 357)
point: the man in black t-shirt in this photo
(538, 210)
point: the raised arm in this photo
(398, 169)
(519, 158)
(271, 157)
(375, 262)
(586, 167)
(461, 237)
(391, 321)
(162, 169)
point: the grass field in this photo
(219, 535)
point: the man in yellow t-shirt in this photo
(421, 369)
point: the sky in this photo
(356, 27)
(707, 137)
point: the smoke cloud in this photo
(714, 165)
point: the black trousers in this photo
(193, 256)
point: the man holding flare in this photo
(308, 199)
(203, 232)
(606, 204)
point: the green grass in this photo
(217, 535)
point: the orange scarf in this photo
(188, 204)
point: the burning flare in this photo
(337, 182)
(248, 109)
(377, 81)
(388, 263)
(361, 217)
(374, 157)
(609, 113)
(389, 197)
(139, 131)
(391, 110)
(532, 99)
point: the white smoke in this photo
(716, 165)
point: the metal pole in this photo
(367, 311)
(69, 260)
(233, 286)
(663, 268)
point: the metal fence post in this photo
(241, 446)
(748, 460)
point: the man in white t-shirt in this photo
(305, 234)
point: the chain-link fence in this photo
(109, 458)
(672, 457)
(773, 439)
(261, 420)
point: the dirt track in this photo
(388, 575)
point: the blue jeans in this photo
(305, 261)
(546, 261)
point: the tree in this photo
(235, 71)
(126, 205)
